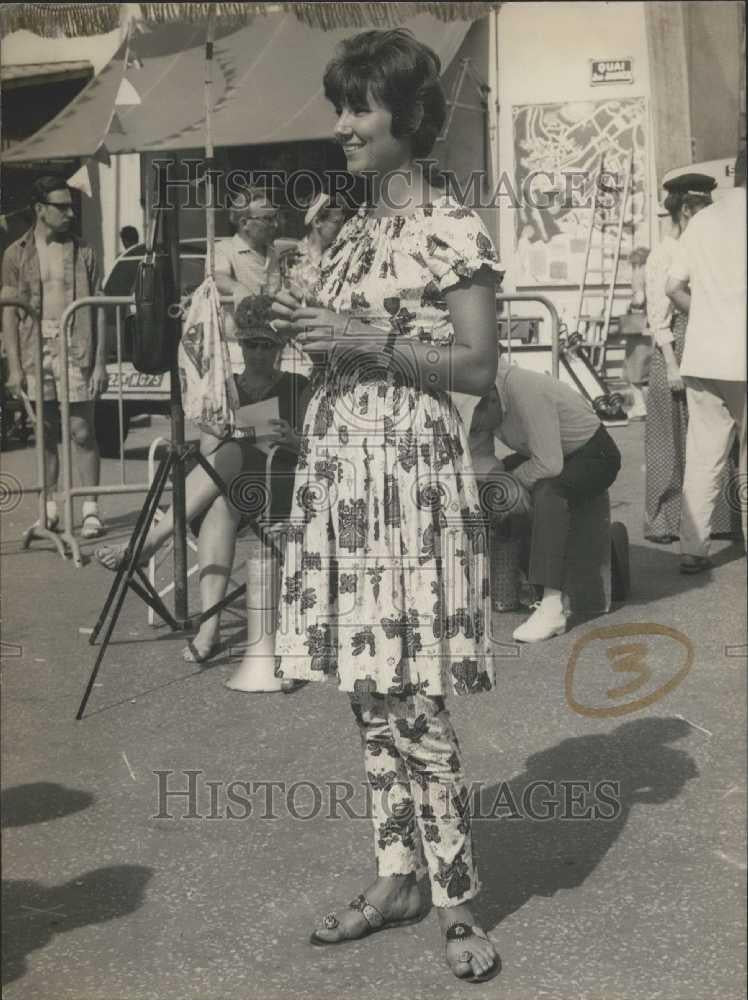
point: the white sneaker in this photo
(543, 623)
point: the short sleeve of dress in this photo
(457, 245)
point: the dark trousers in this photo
(587, 472)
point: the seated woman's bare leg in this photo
(216, 547)
(200, 492)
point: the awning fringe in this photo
(75, 19)
(330, 16)
(51, 20)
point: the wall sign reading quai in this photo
(612, 71)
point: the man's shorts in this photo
(78, 378)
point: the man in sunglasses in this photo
(49, 267)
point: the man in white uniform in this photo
(708, 280)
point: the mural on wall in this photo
(558, 150)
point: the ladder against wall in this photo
(608, 219)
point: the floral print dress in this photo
(385, 581)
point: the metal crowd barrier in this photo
(552, 315)
(67, 493)
(40, 529)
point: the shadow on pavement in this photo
(655, 572)
(40, 802)
(520, 857)
(34, 913)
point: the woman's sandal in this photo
(462, 932)
(291, 686)
(375, 922)
(111, 557)
(192, 654)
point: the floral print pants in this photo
(418, 794)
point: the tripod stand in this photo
(130, 575)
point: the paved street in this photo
(104, 898)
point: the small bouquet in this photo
(300, 276)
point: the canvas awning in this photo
(32, 74)
(267, 88)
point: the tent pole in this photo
(210, 216)
(493, 108)
(177, 420)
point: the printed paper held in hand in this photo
(253, 422)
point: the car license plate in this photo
(136, 380)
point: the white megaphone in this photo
(256, 672)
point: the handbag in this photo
(156, 331)
(209, 394)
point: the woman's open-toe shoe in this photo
(291, 686)
(463, 932)
(193, 654)
(112, 557)
(374, 922)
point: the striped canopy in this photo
(149, 96)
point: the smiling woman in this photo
(385, 489)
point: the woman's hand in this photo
(322, 330)
(285, 436)
(674, 381)
(284, 306)
(313, 328)
(324, 322)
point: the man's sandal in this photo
(462, 932)
(92, 527)
(375, 921)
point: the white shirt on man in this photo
(235, 258)
(711, 257)
(541, 418)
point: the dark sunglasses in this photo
(65, 206)
(263, 345)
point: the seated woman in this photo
(564, 456)
(214, 516)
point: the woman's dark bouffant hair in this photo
(675, 200)
(400, 73)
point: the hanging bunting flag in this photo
(81, 181)
(127, 95)
(102, 155)
(115, 125)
